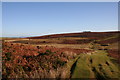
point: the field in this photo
(93, 55)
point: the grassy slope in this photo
(97, 65)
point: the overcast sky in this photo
(40, 18)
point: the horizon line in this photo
(60, 33)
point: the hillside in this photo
(72, 55)
(81, 34)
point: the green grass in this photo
(97, 65)
(81, 69)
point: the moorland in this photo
(62, 56)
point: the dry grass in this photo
(74, 46)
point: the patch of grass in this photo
(103, 65)
(98, 65)
(81, 69)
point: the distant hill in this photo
(81, 34)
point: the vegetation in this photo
(87, 55)
(97, 65)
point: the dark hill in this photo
(94, 35)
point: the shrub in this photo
(8, 55)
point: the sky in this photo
(21, 19)
(0, 19)
(60, 0)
